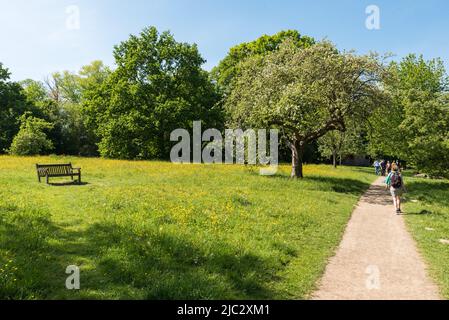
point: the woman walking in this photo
(383, 167)
(377, 167)
(388, 167)
(395, 183)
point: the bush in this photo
(31, 139)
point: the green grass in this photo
(427, 217)
(154, 230)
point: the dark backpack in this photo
(396, 181)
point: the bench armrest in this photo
(78, 169)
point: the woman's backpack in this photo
(396, 180)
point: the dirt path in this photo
(377, 258)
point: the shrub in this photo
(31, 138)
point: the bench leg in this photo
(39, 178)
(48, 182)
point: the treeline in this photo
(49, 117)
(326, 103)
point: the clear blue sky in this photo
(34, 39)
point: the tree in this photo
(34, 91)
(340, 144)
(78, 137)
(12, 105)
(157, 87)
(31, 139)
(59, 101)
(91, 76)
(426, 128)
(414, 125)
(69, 87)
(305, 93)
(229, 67)
(331, 145)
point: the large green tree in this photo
(305, 93)
(158, 86)
(340, 144)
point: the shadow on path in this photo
(375, 239)
(378, 195)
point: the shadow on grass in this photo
(153, 265)
(331, 184)
(429, 191)
(341, 185)
(25, 257)
(364, 169)
(420, 213)
(164, 266)
(68, 184)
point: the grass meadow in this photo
(156, 230)
(427, 217)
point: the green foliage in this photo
(340, 144)
(414, 126)
(31, 139)
(59, 101)
(415, 73)
(426, 131)
(92, 75)
(12, 105)
(77, 136)
(331, 143)
(34, 91)
(68, 87)
(229, 67)
(158, 86)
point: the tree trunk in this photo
(297, 149)
(334, 159)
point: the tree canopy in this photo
(158, 86)
(229, 67)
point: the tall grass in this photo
(427, 216)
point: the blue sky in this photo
(35, 41)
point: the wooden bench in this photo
(57, 170)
